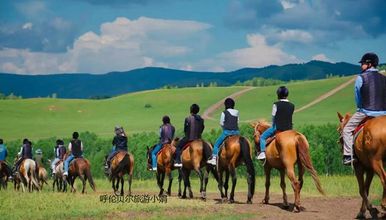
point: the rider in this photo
(229, 122)
(370, 98)
(166, 135)
(59, 152)
(25, 153)
(193, 128)
(76, 148)
(3, 151)
(119, 144)
(282, 112)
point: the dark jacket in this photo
(373, 91)
(230, 121)
(27, 151)
(120, 142)
(283, 117)
(166, 133)
(193, 127)
(76, 149)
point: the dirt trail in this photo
(209, 111)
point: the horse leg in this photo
(205, 179)
(267, 172)
(220, 183)
(359, 172)
(295, 185)
(162, 182)
(158, 175)
(226, 183)
(83, 182)
(232, 171)
(200, 175)
(184, 176)
(180, 176)
(122, 185)
(283, 186)
(188, 184)
(378, 169)
(169, 173)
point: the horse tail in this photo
(34, 177)
(246, 153)
(207, 150)
(305, 159)
(88, 175)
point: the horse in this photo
(370, 148)
(42, 176)
(58, 177)
(165, 166)
(122, 163)
(194, 157)
(79, 167)
(235, 150)
(283, 153)
(28, 175)
(5, 173)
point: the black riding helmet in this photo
(229, 103)
(370, 58)
(282, 92)
(166, 119)
(194, 109)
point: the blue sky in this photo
(97, 36)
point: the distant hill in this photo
(82, 85)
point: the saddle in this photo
(269, 140)
(163, 148)
(360, 126)
(57, 163)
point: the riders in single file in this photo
(76, 148)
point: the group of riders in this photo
(370, 100)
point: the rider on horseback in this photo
(370, 98)
(282, 112)
(25, 153)
(166, 135)
(119, 144)
(59, 152)
(3, 151)
(229, 122)
(76, 148)
(193, 128)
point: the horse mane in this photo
(262, 125)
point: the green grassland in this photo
(50, 205)
(142, 111)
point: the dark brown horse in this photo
(370, 148)
(235, 151)
(164, 165)
(194, 157)
(5, 173)
(122, 163)
(79, 167)
(283, 153)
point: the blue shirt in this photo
(358, 98)
(3, 152)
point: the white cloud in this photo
(258, 54)
(321, 57)
(287, 4)
(27, 26)
(121, 45)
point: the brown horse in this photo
(370, 148)
(194, 157)
(42, 176)
(235, 151)
(58, 177)
(79, 167)
(5, 173)
(28, 175)
(122, 163)
(164, 165)
(283, 153)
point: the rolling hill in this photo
(116, 83)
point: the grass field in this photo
(137, 112)
(49, 205)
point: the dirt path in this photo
(326, 95)
(209, 111)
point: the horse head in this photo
(148, 155)
(258, 128)
(342, 122)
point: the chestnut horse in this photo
(79, 167)
(165, 166)
(194, 157)
(370, 148)
(122, 163)
(42, 176)
(235, 151)
(283, 153)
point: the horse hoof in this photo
(249, 201)
(296, 209)
(265, 201)
(361, 215)
(183, 197)
(374, 213)
(231, 201)
(286, 206)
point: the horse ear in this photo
(340, 116)
(253, 124)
